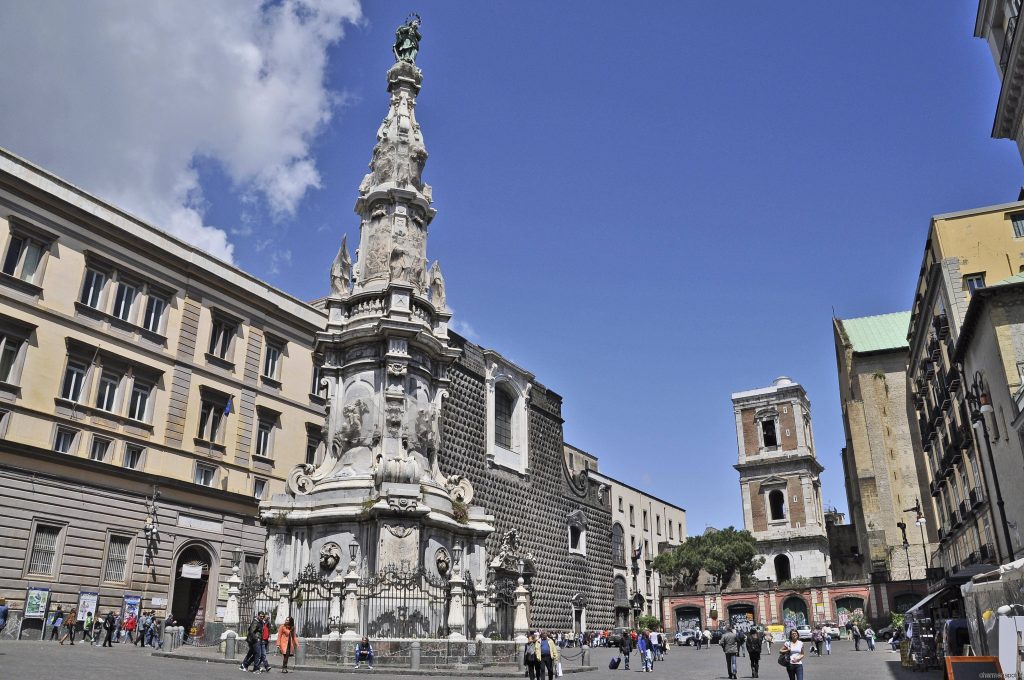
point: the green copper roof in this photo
(874, 333)
(1016, 278)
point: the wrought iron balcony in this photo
(964, 509)
(977, 497)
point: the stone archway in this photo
(192, 571)
(688, 618)
(849, 609)
(794, 612)
(741, 616)
(783, 569)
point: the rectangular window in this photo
(632, 521)
(259, 487)
(768, 435)
(74, 379)
(657, 524)
(271, 362)
(220, 337)
(133, 456)
(312, 442)
(620, 503)
(117, 559)
(502, 419)
(152, 321)
(8, 355)
(645, 520)
(23, 257)
(138, 405)
(264, 437)
(124, 301)
(670, 536)
(100, 449)
(205, 474)
(1018, 225)
(106, 396)
(64, 442)
(92, 289)
(210, 418)
(44, 550)
(973, 282)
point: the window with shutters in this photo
(138, 405)
(43, 557)
(134, 456)
(116, 568)
(9, 349)
(106, 395)
(64, 440)
(124, 301)
(92, 288)
(26, 255)
(74, 379)
(153, 319)
(205, 475)
(222, 334)
(272, 361)
(100, 448)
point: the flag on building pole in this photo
(229, 406)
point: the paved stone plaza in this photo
(30, 660)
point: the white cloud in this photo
(122, 97)
(465, 329)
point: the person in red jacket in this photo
(129, 627)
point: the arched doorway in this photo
(621, 601)
(191, 579)
(783, 572)
(849, 609)
(741, 616)
(687, 618)
(794, 612)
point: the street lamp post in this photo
(906, 550)
(981, 406)
(920, 521)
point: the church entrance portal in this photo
(192, 575)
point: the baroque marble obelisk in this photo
(376, 494)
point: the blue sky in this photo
(648, 205)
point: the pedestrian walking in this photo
(548, 654)
(530, 656)
(56, 622)
(3, 614)
(625, 648)
(142, 632)
(287, 641)
(794, 651)
(869, 635)
(753, 644)
(70, 621)
(855, 631)
(252, 638)
(730, 645)
(707, 638)
(87, 626)
(643, 648)
(131, 622)
(819, 640)
(828, 642)
(108, 629)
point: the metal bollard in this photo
(583, 656)
(300, 654)
(414, 655)
(230, 638)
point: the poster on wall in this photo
(130, 606)
(36, 601)
(87, 604)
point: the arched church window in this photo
(618, 545)
(777, 504)
(783, 572)
(503, 404)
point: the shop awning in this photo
(925, 600)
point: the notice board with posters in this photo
(973, 667)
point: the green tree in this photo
(722, 554)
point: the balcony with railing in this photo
(1011, 31)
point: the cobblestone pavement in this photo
(30, 660)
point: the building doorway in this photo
(687, 618)
(849, 609)
(794, 612)
(741, 617)
(783, 572)
(191, 579)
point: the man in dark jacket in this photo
(254, 638)
(754, 650)
(108, 629)
(731, 647)
(625, 648)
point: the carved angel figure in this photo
(352, 427)
(330, 555)
(341, 270)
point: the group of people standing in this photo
(142, 629)
(650, 645)
(540, 655)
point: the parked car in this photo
(615, 636)
(831, 630)
(885, 633)
(686, 637)
(805, 632)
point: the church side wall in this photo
(536, 505)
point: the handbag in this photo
(784, 658)
(558, 669)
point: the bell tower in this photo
(779, 481)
